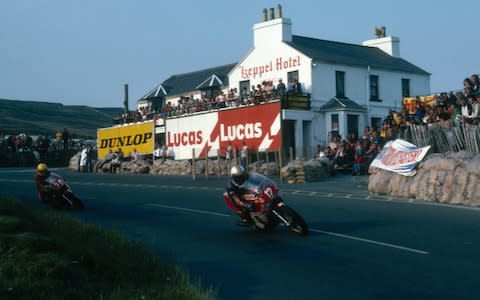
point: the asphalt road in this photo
(361, 246)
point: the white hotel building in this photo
(348, 86)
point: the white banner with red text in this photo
(400, 156)
(209, 134)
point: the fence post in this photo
(206, 165)
(291, 153)
(280, 165)
(193, 164)
(218, 163)
(276, 161)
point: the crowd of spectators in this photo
(447, 108)
(260, 93)
(354, 153)
(23, 144)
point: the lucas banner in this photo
(400, 156)
(209, 134)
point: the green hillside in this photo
(46, 118)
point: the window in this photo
(291, 76)
(340, 84)
(374, 88)
(335, 125)
(405, 87)
(244, 87)
(352, 124)
(376, 123)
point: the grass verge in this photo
(46, 254)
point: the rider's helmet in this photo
(42, 169)
(238, 174)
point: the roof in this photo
(188, 82)
(157, 92)
(351, 54)
(212, 81)
(341, 104)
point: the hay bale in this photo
(447, 187)
(379, 182)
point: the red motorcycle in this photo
(60, 194)
(269, 208)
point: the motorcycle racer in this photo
(41, 175)
(248, 192)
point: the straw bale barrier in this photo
(452, 177)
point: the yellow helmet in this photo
(42, 168)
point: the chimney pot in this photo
(264, 15)
(272, 13)
(279, 11)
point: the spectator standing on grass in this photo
(65, 138)
(83, 159)
(58, 140)
(89, 165)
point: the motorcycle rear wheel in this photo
(297, 223)
(72, 201)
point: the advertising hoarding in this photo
(210, 133)
(127, 137)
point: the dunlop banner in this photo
(128, 137)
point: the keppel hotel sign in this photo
(277, 64)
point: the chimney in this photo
(272, 30)
(388, 44)
(125, 102)
(279, 11)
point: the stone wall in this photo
(452, 177)
(311, 170)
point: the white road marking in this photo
(370, 241)
(314, 230)
(189, 210)
(32, 170)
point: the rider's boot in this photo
(245, 220)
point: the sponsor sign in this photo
(273, 65)
(410, 103)
(127, 137)
(209, 134)
(400, 156)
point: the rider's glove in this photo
(248, 207)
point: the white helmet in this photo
(238, 174)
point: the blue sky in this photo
(83, 52)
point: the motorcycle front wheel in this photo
(295, 222)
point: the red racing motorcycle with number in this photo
(60, 194)
(269, 208)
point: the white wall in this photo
(264, 64)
